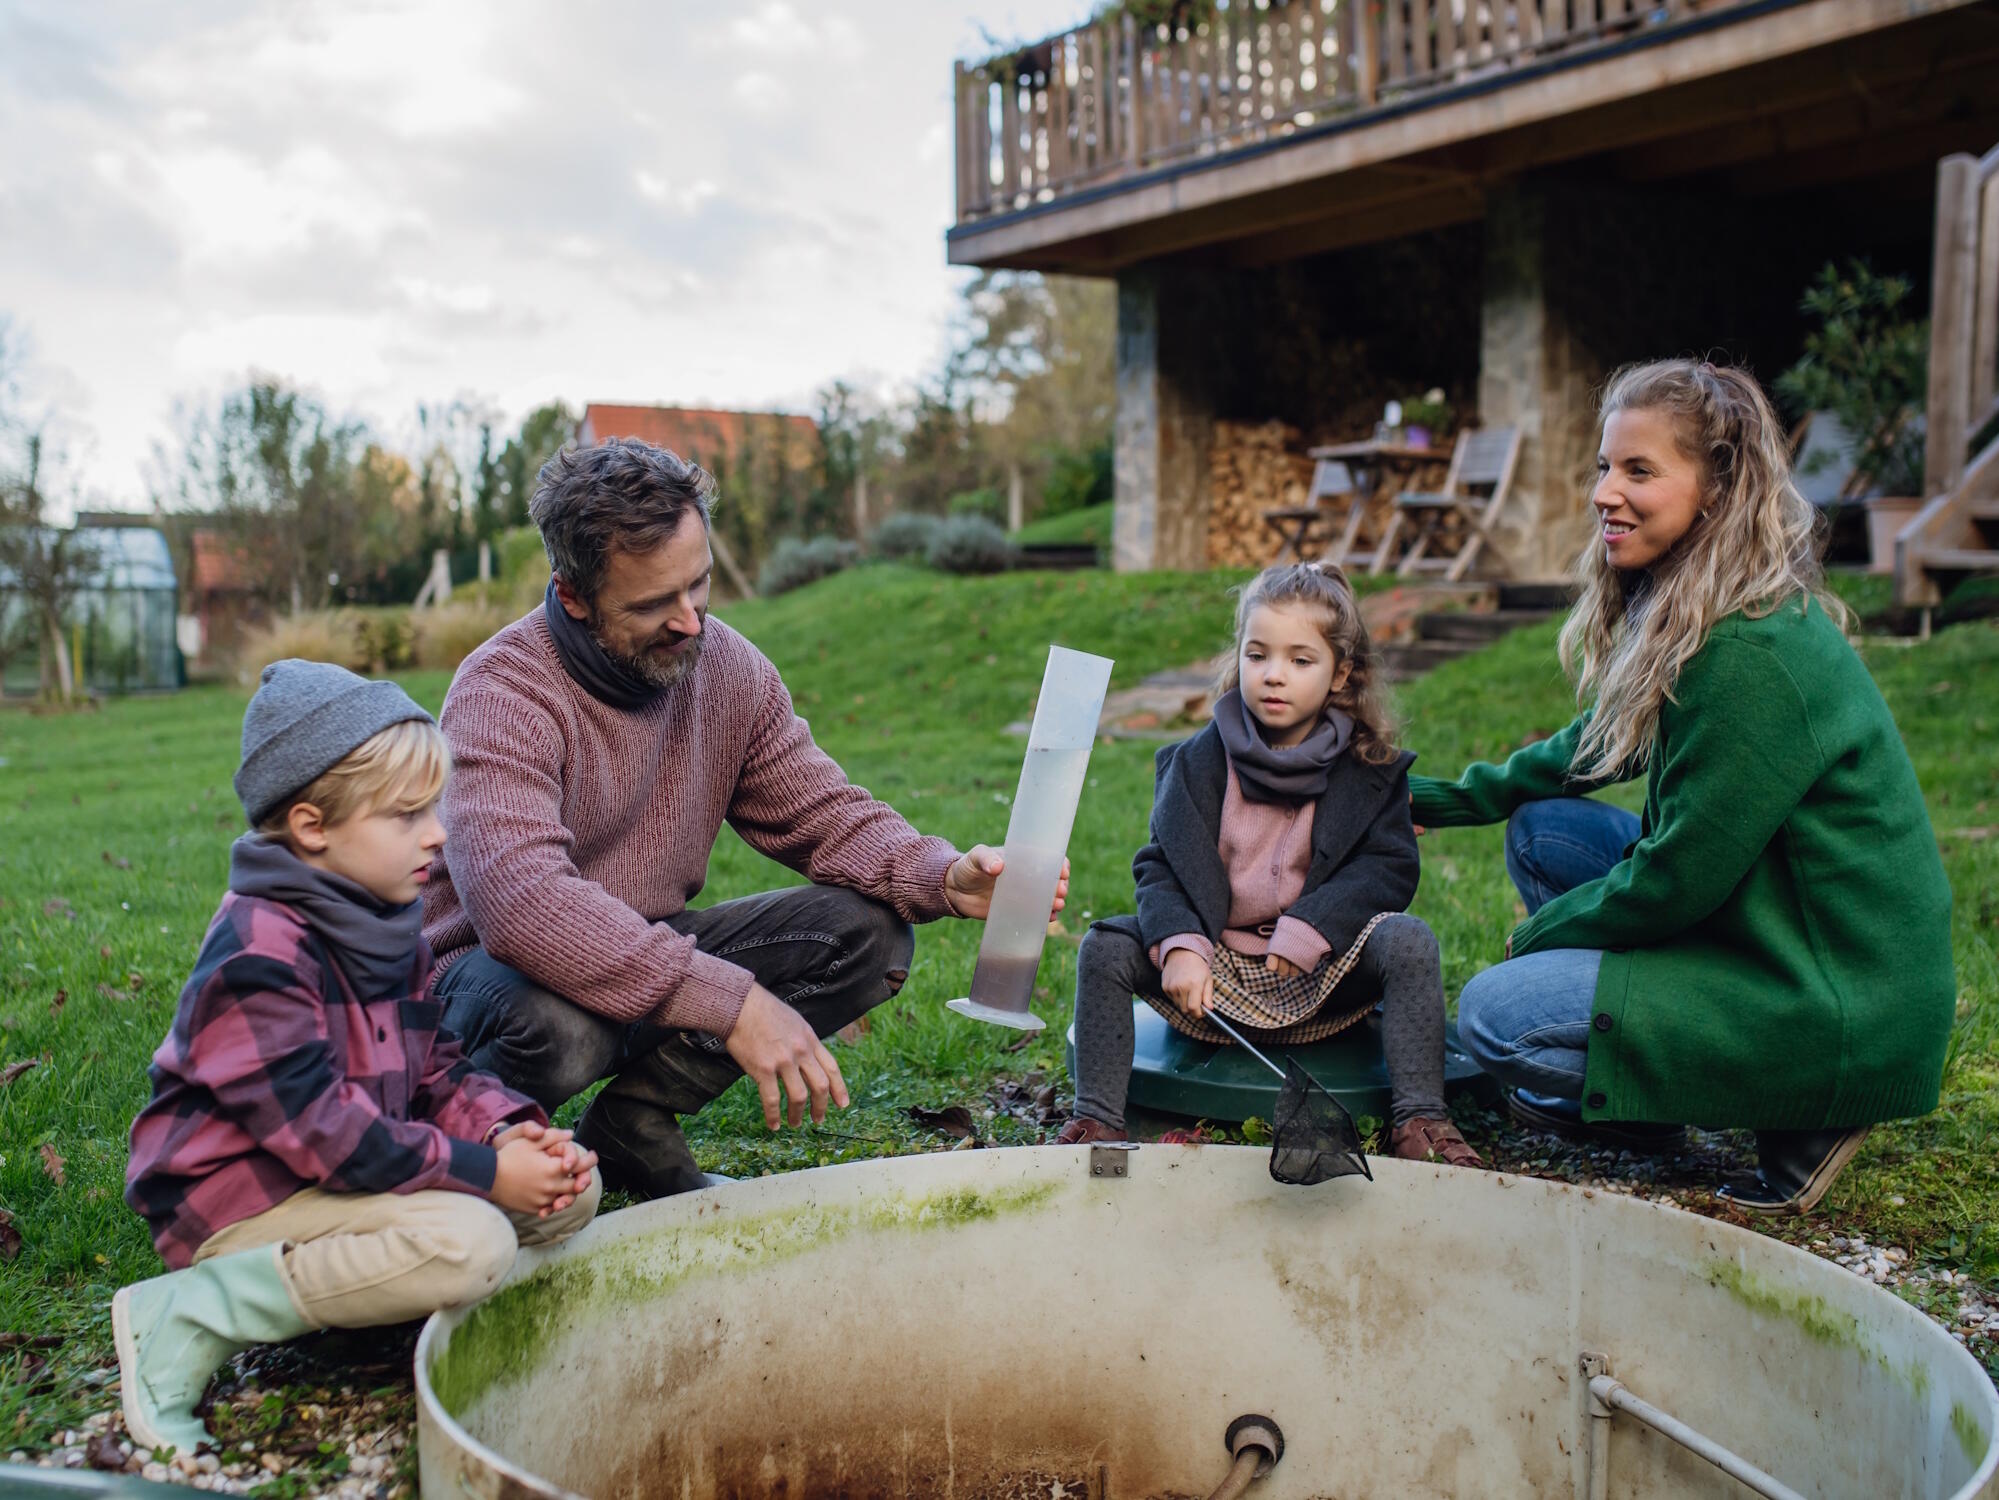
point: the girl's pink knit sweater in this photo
(573, 829)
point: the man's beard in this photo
(659, 670)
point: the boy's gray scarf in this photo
(374, 943)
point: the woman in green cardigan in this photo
(1769, 946)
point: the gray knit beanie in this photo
(307, 717)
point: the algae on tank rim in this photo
(1823, 1322)
(1970, 1437)
(503, 1338)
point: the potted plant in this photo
(1867, 362)
(1424, 417)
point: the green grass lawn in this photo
(118, 823)
(1091, 525)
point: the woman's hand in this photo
(1188, 982)
(1282, 967)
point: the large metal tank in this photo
(1067, 1323)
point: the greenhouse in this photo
(120, 623)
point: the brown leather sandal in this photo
(1084, 1131)
(1424, 1139)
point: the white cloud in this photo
(394, 201)
(760, 93)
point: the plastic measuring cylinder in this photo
(1037, 838)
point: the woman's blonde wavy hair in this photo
(1754, 545)
(1324, 590)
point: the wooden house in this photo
(1310, 206)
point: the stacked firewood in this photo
(1251, 468)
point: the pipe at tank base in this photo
(1242, 1474)
(1256, 1444)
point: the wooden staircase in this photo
(1956, 533)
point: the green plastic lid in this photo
(1176, 1075)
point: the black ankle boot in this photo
(640, 1147)
(1796, 1167)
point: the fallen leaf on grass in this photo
(30, 1341)
(854, 1030)
(110, 992)
(10, 1237)
(52, 1163)
(55, 906)
(14, 1070)
(115, 862)
(102, 1452)
(953, 1119)
(1975, 835)
(58, 1001)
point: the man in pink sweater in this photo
(601, 742)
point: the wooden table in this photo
(1368, 460)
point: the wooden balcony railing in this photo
(1114, 97)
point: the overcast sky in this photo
(394, 201)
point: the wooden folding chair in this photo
(1332, 483)
(1452, 526)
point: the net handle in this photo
(1216, 1017)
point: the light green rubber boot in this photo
(175, 1331)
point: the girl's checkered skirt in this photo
(1290, 1011)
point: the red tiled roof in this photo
(218, 567)
(698, 433)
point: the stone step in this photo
(1482, 628)
(1402, 662)
(1548, 596)
(1057, 556)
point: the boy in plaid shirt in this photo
(317, 1152)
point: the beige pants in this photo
(356, 1260)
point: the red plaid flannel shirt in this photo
(277, 1077)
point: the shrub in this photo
(970, 544)
(907, 535)
(792, 564)
(323, 635)
(523, 568)
(988, 503)
(446, 635)
(1867, 362)
(518, 549)
(1077, 479)
(385, 639)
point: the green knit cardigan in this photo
(1776, 944)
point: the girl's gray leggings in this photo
(1400, 964)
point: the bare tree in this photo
(42, 566)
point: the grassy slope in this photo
(118, 824)
(1091, 524)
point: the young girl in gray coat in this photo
(1275, 885)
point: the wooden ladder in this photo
(1956, 533)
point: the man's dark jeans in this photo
(831, 954)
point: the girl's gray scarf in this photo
(1271, 775)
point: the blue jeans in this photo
(1526, 1021)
